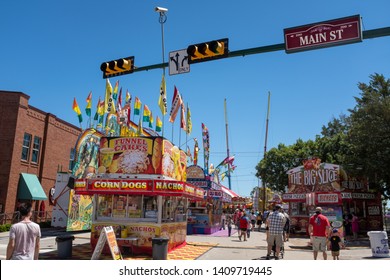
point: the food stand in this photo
(140, 190)
(204, 217)
(327, 185)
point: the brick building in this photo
(34, 146)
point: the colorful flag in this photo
(76, 108)
(206, 147)
(101, 114)
(183, 123)
(128, 97)
(189, 154)
(146, 115)
(189, 121)
(115, 92)
(89, 104)
(227, 161)
(176, 103)
(137, 106)
(119, 103)
(158, 124)
(196, 151)
(109, 106)
(162, 100)
(151, 120)
(96, 117)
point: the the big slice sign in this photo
(323, 34)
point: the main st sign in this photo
(323, 34)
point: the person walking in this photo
(259, 221)
(244, 226)
(286, 229)
(275, 223)
(24, 237)
(229, 222)
(223, 220)
(335, 244)
(355, 226)
(319, 230)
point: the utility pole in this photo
(265, 151)
(227, 145)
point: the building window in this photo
(26, 147)
(36, 149)
(72, 158)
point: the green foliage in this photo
(359, 142)
(5, 227)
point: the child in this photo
(335, 244)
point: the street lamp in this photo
(162, 19)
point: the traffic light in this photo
(208, 51)
(118, 67)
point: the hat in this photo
(318, 209)
(277, 206)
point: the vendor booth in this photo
(204, 217)
(327, 185)
(140, 190)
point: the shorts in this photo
(335, 253)
(243, 229)
(319, 243)
(275, 239)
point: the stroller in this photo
(281, 253)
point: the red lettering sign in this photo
(323, 34)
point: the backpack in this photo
(243, 222)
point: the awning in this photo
(30, 188)
(229, 192)
(139, 186)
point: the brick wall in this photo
(57, 139)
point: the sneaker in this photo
(267, 257)
(276, 258)
(239, 238)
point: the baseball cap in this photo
(277, 206)
(318, 209)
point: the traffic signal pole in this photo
(368, 34)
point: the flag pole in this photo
(186, 127)
(227, 144)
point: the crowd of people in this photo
(277, 227)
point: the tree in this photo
(359, 142)
(369, 133)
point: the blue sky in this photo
(52, 51)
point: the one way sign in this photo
(178, 62)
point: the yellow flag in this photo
(162, 100)
(109, 106)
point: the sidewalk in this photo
(217, 246)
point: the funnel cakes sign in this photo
(314, 176)
(141, 155)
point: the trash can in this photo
(160, 248)
(379, 244)
(64, 246)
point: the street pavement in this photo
(221, 247)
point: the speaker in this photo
(71, 182)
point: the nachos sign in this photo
(323, 34)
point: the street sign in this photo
(323, 34)
(178, 62)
